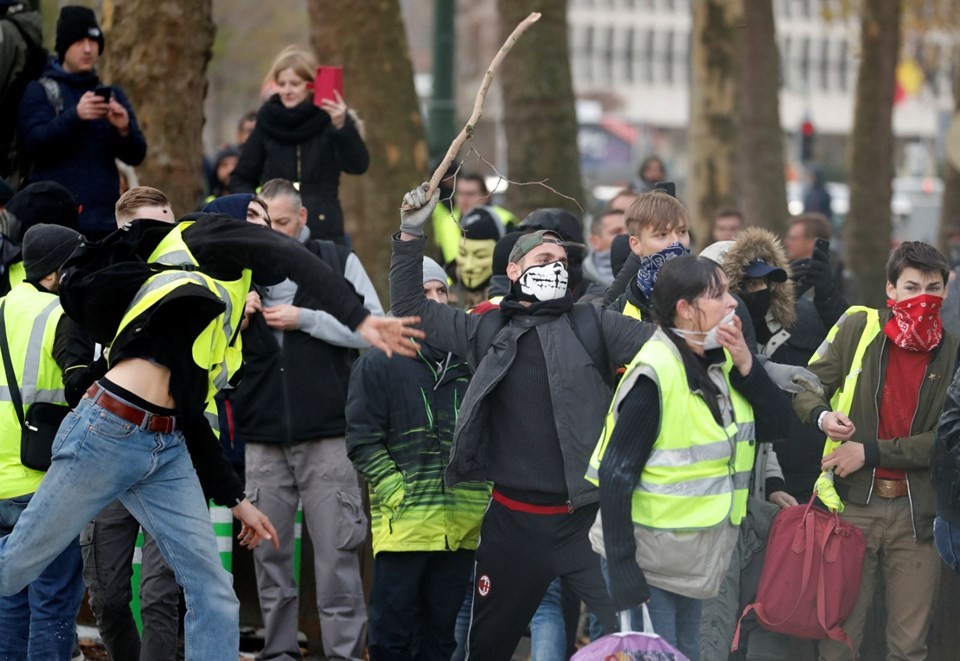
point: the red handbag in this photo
(811, 575)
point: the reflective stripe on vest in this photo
(698, 473)
(31, 319)
(217, 348)
(842, 399)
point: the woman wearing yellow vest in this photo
(675, 459)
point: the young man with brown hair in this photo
(898, 363)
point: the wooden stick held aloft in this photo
(468, 129)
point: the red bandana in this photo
(915, 325)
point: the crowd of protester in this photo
(560, 416)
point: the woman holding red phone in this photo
(307, 144)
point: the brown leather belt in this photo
(890, 488)
(143, 419)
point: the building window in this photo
(804, 63)
(587, 59)
(608, 53)
(668, 59)
(786, 63)
(825, 65)
(843, 66)
(648, 55)
(628, 56)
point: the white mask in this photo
(546, 282)
(709, 340)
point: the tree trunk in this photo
(762, 185)
(714, 100)
(165, 78)
(950, 211)
(867, 232)
(371, 45)
(539, 114)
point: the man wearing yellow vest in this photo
(173, 349)
(38, 622)
(885, 376)
(40, 202)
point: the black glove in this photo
(799, 272)
(819, 274)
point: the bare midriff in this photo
(144, 379)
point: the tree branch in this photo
(467, 131)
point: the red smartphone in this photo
(326, 81)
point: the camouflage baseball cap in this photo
(528, 242)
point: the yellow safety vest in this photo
(632, 311)
(698, 473)
(31, 317)
(843, 397)
(217, 349)
(16, 273)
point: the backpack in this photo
(811, 575)
(36, 58)
(100, 279)
(585, 319)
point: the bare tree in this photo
(539, 113)
(950, 211)
(761, 180)
(867, 234)
(165, 78)
(714, 94)
(378, 82)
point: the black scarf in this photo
(510, 306)
(291, 125)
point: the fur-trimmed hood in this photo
(758, 243)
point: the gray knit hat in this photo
(433, 271)
(46, 247)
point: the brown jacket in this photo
(911, 453)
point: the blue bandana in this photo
(651, 264)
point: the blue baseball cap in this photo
(760, 269)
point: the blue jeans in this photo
(676, 619)
(548, 632)
(947, 538)
(99, 457)
(39, 622)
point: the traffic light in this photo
(807, 135)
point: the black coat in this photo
(300, 144)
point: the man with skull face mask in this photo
(523, 425)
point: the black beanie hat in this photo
(43, 202)
(46, 248)
(76, 23)
(482, 223)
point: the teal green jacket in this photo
(401, 413)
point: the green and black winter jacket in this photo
(401, 414)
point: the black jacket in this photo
(299, 144)
(295, 392)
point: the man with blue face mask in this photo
(522, 425)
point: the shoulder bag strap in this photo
(8, 368)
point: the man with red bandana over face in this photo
(881, 469)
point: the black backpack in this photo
(34, 65)
(585, 319)
(100, 279)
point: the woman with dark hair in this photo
(675, 458)
(300, 142)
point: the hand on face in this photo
(730, 337)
